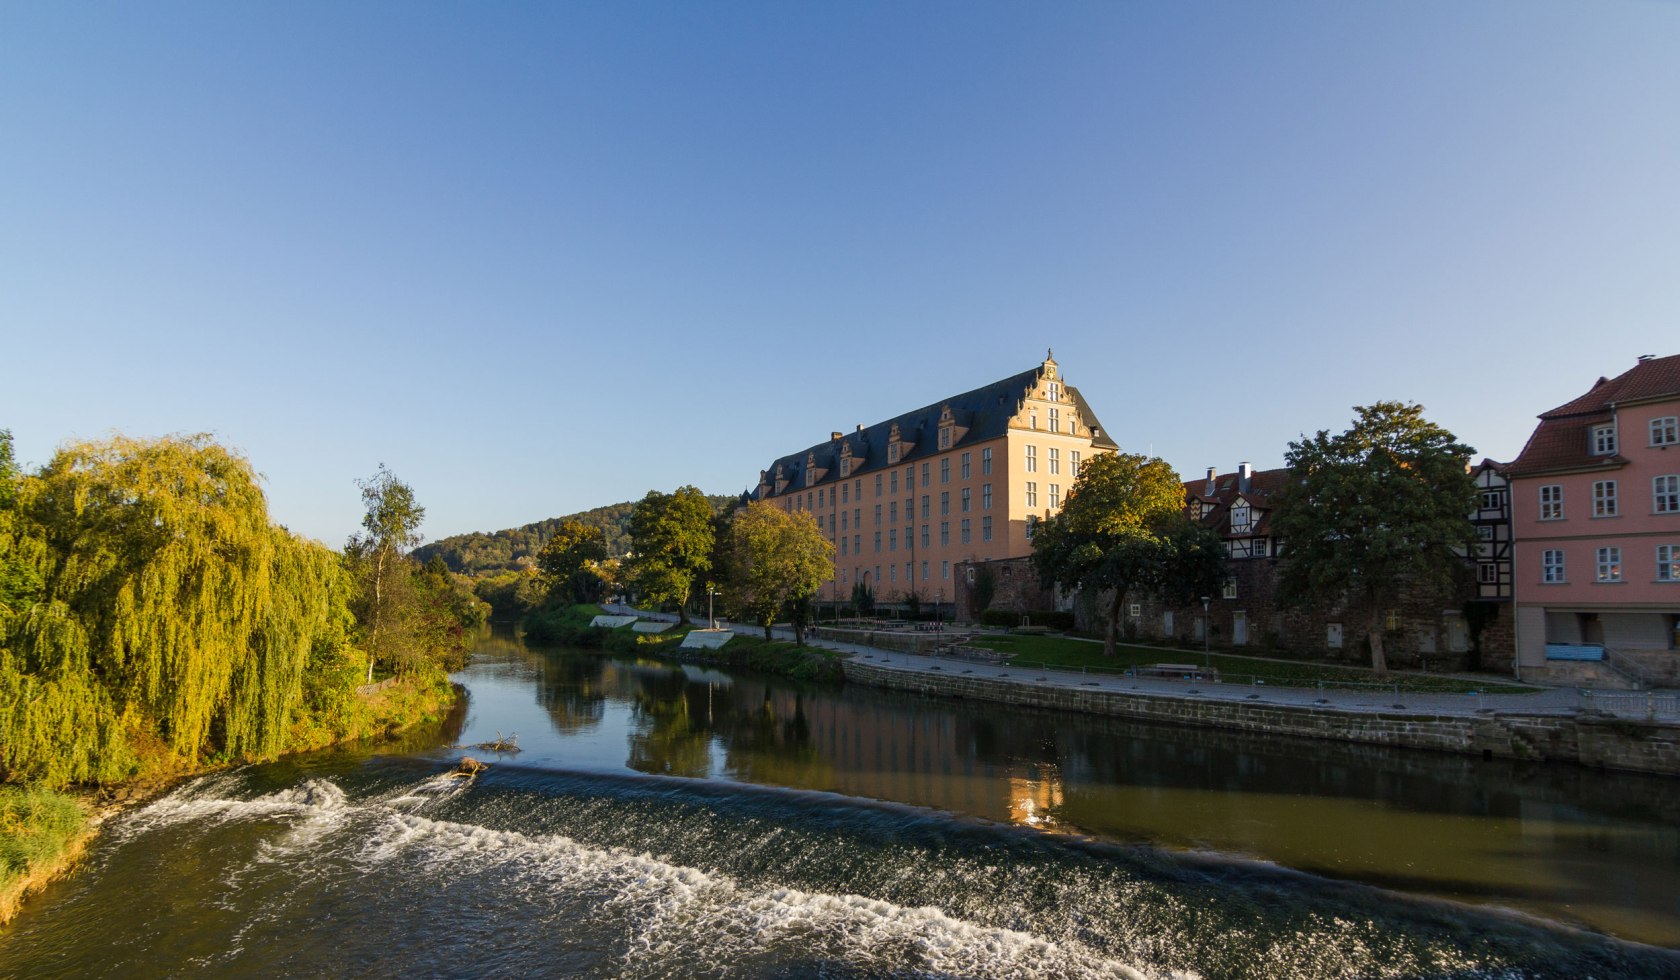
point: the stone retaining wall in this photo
(1607, 743)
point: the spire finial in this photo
(1049, 355)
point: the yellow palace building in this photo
(962, 479)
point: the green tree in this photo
(171, 618)
(20, 580)
(671, 540)
(1114, 530)
(573, 563)
(386, 604)
(1376, 509)
(776, 563)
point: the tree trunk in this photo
(767, 636)
(1113, 622)
(1379, 662)
(378, 610)
(682, 611)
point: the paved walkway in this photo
(1555, 701)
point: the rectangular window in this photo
(945, 570)
(892, 453)
(1055, 460)
(843, 543)
(985, 462)
(909, 478)
(1230, 590)
(857, 544)
(945, 470)
(1055, 420)
(1032, 459)
(892, 512)
(1241, 516)
(967, 499)
(1665, 494)
(1609, 564)
(1259, 547)
(845, 493)
(894, 482)
(966, 536)
(924, 506)
(857, 516)
(1668, 562)
(925, 540)
(1604, 498)
(945, 502)
(1032, 494)
(892, 573)
(857, 488)
(924, 474)
(892, 539)
(1055, 495)
(986, 528)
(1551, 567)
(1551, 502)
(877, 515)
(967, 465)
(1603, 440)
(1053, 391)
(1032, 525)
(985, 496)
(1487, 573)
(877, 543)
(843, 516)
(1665, 431)
(944, 534)
(1492, 499)
(1485, 532)
(822, 499)
(945, 437)
(877, 484)
(1073, 464)
(924, 571)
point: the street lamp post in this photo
(711, 621)
(1207, 655)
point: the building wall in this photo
(1636, 613)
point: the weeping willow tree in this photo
(167, 619)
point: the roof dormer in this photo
(950, 431)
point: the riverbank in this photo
(44, 833)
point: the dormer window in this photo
(892, 453)
(947, 428)
(945, 437)
(1604, 440)
(1053, 391)
(1055, 420)
(1240, 522)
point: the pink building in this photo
(1596, 522)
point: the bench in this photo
(1174, 670)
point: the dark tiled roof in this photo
(1263, 489)
(985, 412)
(1560, 441)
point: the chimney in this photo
(1212, 484)
(1245, 477)
(860, 428)
(1645, 357)
(835, 435)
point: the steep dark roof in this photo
(1263, 489)
(1560, 441)
(985, 412)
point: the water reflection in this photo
(1570, 843)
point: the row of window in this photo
(1052, 460)
(965, 531)
(1664, 431)
(1031, 490)
(856, 574)
(1608, 565)
(1665, 498)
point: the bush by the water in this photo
(37, 828)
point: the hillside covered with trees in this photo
(517, 548)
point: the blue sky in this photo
(542, 257)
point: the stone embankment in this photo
(1585, 738)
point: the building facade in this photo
(963, 479)
(1596, 521)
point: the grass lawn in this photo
(1066, 652)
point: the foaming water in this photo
(391, 869)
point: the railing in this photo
(1633, 704)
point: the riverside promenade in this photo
(1623, 730)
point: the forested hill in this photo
(480, 552)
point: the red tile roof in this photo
(1263, 488)
(1560, 442)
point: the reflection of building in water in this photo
(877, 749)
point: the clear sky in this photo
(542, 257)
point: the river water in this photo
(666, 820)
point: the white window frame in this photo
(1487, 573)
(1055, 495)
(1665, 431)
(1609, 564)
(1604, 499)
(1055, 420)
(1552, 567)
(1603, 439)
(1495, 496)
(1032, 459)
(1241, 518)
(967, 465)
(986, 461)
(1073, 464)
(1230, 590)
(1665, 494)
(986, 528)
(1668, 562)
(1551, 502)
(1054, 458)
(1032, 493)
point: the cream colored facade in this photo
(905, 500)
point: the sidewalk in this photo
(1556, 701)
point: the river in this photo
(669, 820)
